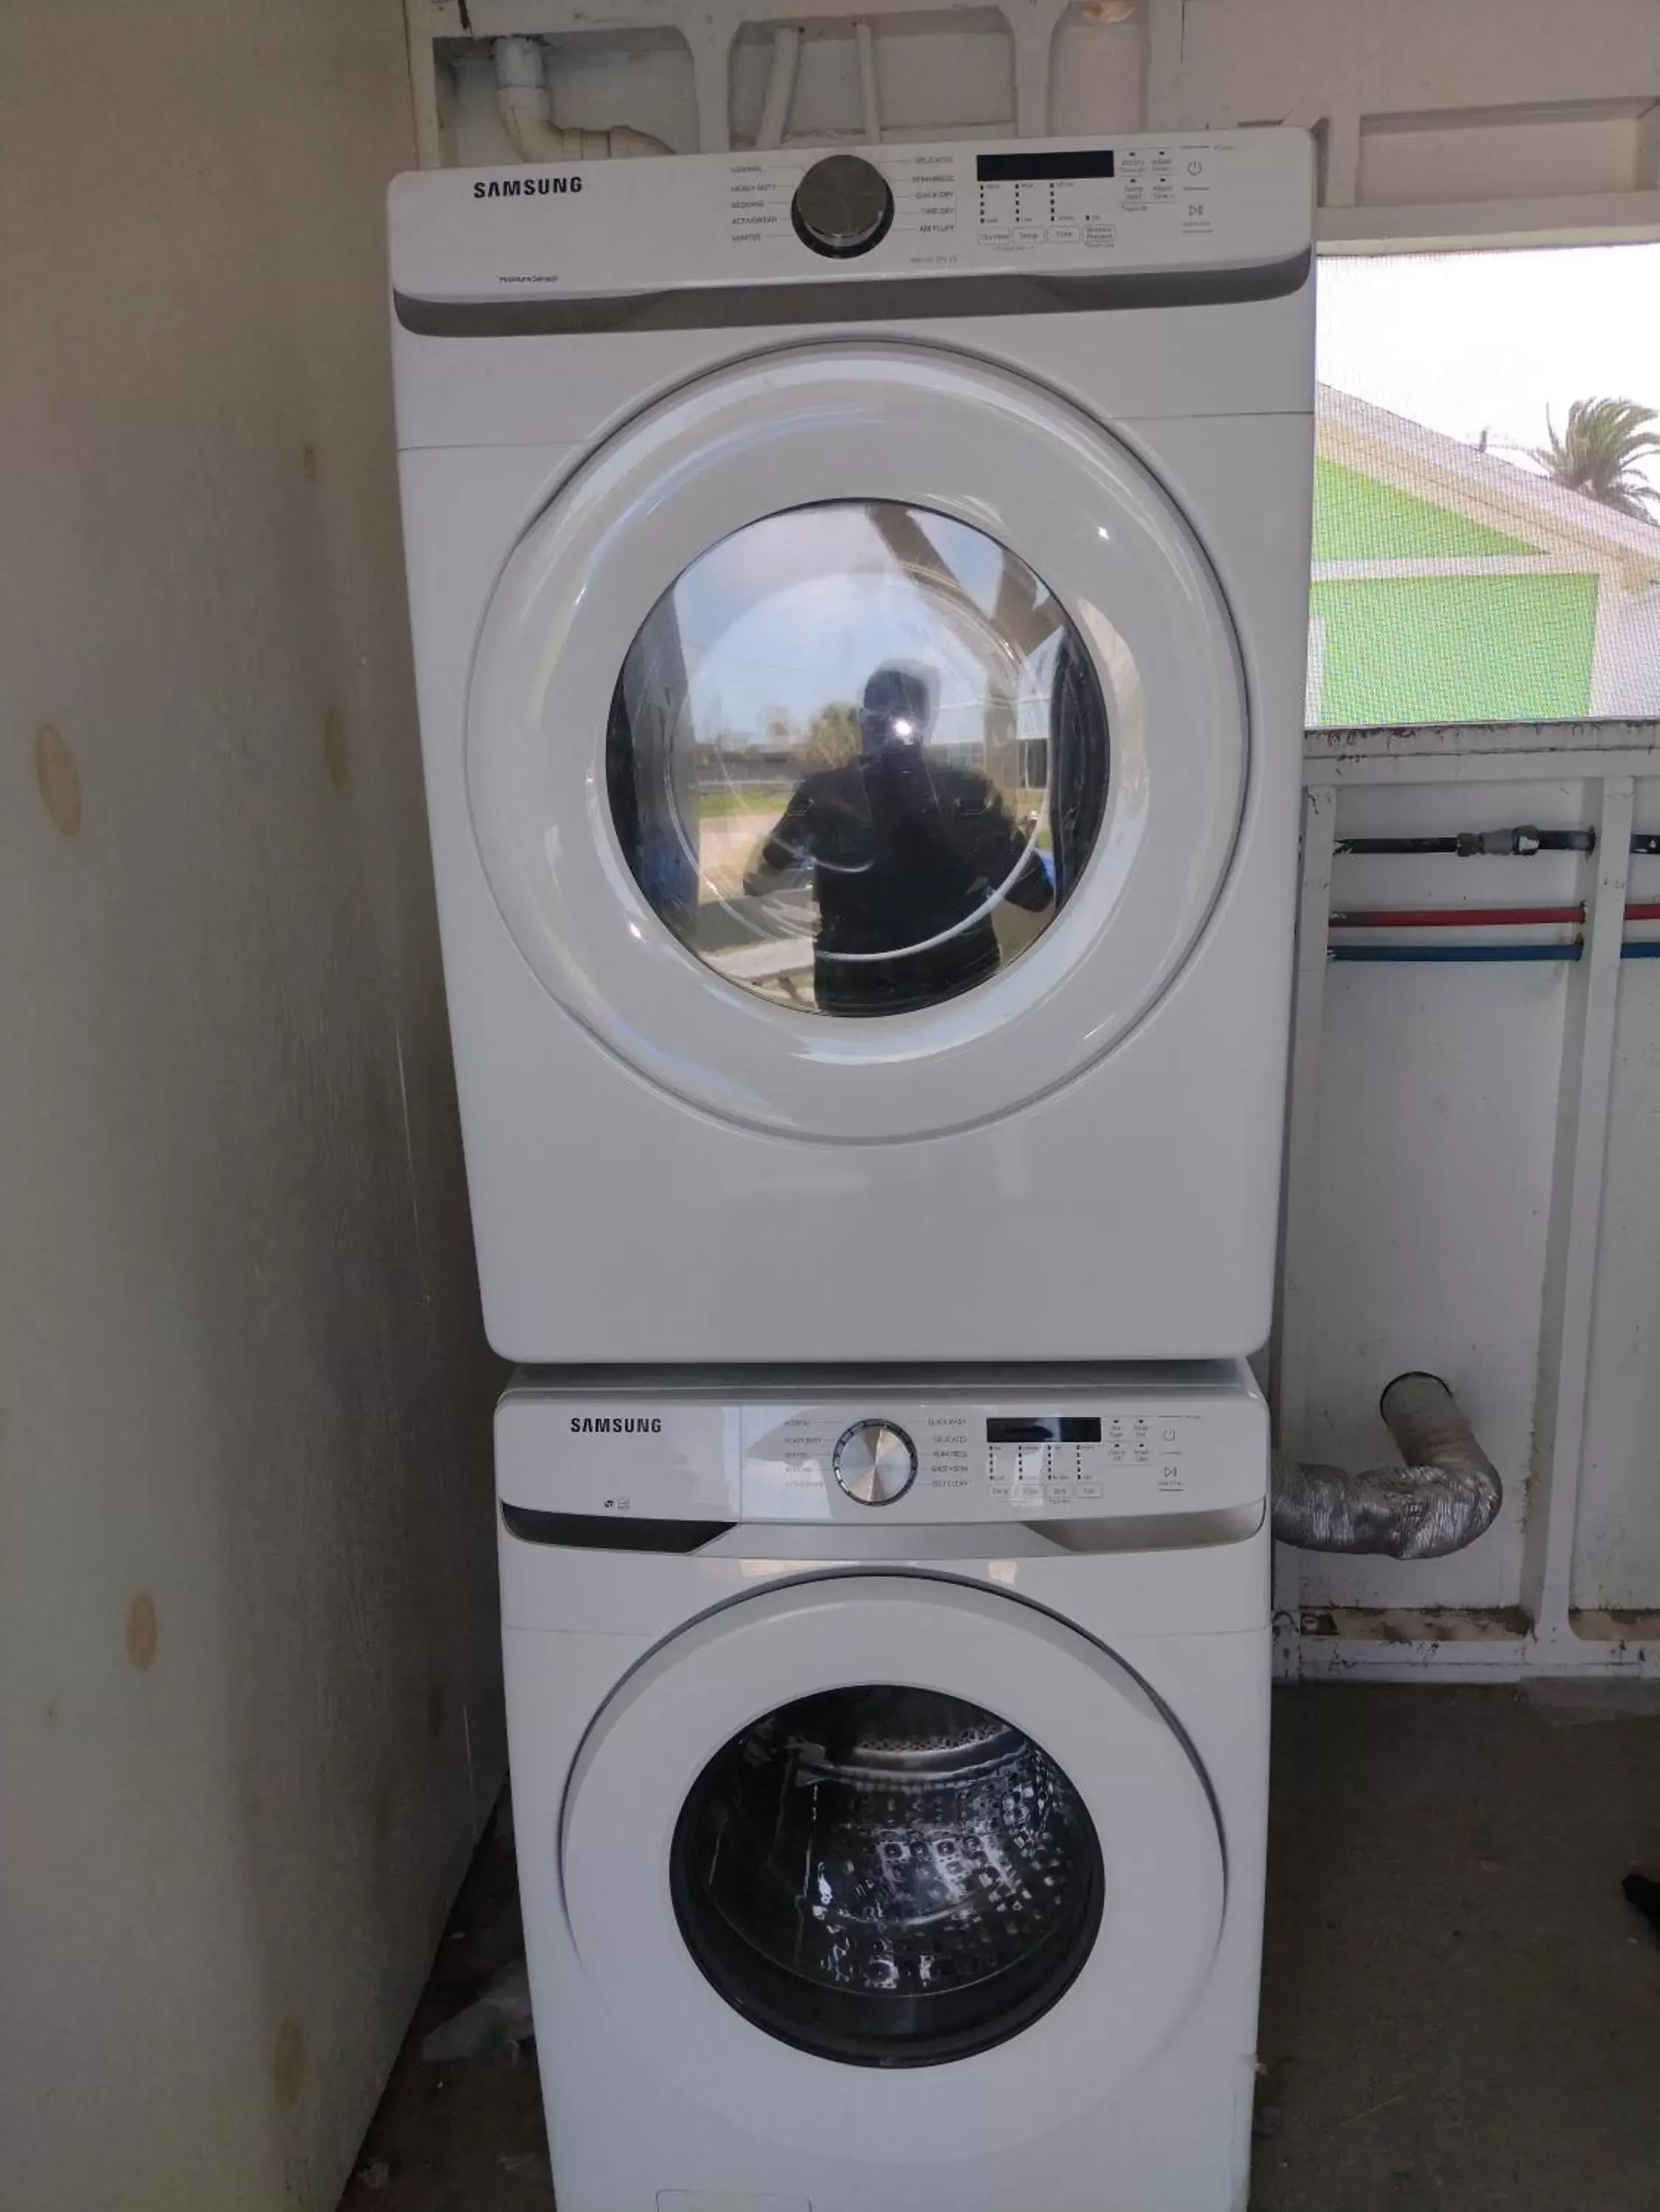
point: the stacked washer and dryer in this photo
(860, 606)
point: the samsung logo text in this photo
(519, 188)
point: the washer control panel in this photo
(943, 1459)
(1154, 1443)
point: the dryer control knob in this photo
(876, 1462)
(842, 207)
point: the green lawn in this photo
(762, 799)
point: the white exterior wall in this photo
(1437, 1126)
(1473, 1190)
(248, 1661)
(1625, 673)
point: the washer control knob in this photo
(876, 1462)
(842, 207)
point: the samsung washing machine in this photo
(890, 1772)
(859, 607)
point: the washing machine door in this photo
(881, 1863)
(856, 744)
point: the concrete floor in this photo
(1460, 2010)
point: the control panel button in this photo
(875, 1462)
(842, 207)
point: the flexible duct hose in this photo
(1446, 1495)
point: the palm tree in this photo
(1600, 452)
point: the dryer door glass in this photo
(857, 757)
(887, 1876)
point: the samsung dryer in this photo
(890, 1777)
(859, 610)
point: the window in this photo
(1487, 539)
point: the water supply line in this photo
(1446, 1494)
(1522, 842)
(869, 103)
(780, 87)
(1519, 843)
(525, 104)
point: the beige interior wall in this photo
(249, 1719)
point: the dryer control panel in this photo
(1152, 1443)
(649, 236)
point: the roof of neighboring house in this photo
(1427, 465)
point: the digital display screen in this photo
(1043, 168)
(1045, 1429)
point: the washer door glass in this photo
(887, 1875)
(857, 757)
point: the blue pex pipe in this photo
(1442, 953)
(1646, 949)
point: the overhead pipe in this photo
(1446, 1494)
(1469, 917)
(524, 102)
(1446, 956)
(780, 87)
(869, 104)
(1647, 948)
(1483, 917)
(1474, 844)
(1503, 844)
(1475, 917)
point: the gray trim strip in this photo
(852, 300)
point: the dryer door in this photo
(896, 1840)
(856, 744)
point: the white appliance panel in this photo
(1142, 1679)
(659, 1171)
(596, 230)
(1065, 1451)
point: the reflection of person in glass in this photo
(905, 852)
